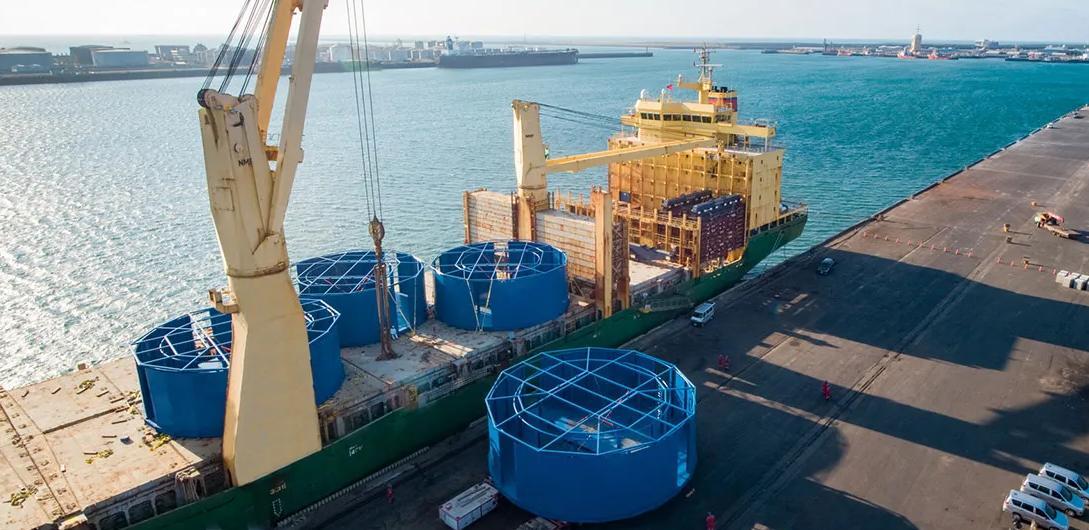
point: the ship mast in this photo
(271, 419)
(705, 84)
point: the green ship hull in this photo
(367, 450)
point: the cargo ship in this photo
(302, 381)
(460, 57)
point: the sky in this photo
(964, 20)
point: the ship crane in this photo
(664, 127)
(271, 419)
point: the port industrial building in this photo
(25, 59)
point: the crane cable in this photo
(234, 55)
(364, 104)
(578, 117)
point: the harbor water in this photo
(106, 229)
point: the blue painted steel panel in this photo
(346, 282)
(500, 286)
(591, 435)
(182, 366)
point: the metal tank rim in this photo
(462, 270)
(617, 358)
(313, 270)
(218, 346)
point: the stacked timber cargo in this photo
(722, 225)
(488, 216)
(574, 235)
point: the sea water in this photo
(104, 222)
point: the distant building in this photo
(419, 45)
(247, 54)
(119, 58)
(476, 44)
(82, 54)
(916, 42)
(167, 50)
(985, 44)
(25, 60)
(202, 56)
(174, 53)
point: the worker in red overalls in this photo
(826, 391)
(389, 494)
(723, 362)
(710, 521)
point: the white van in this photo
(1068, 478)
(1054, 493)
(1025, 507)
(703, 314)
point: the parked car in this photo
(703, 313)
(824, 268)
(1054, 494)
(1023, 507)
(1068, 478)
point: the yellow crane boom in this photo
(587, 160)
(271, 419)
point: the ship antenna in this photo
(703, 55)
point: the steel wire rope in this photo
(223, 49)
(357, 84)
(258, 50)
(240, 49)
(370, 103)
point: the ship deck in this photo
(77, 440)
(957, 365)
(52, 428)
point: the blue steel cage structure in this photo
(182, 366)
(591, 435)
(346, 281)
(500, 286)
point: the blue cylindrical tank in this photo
(500, 286)
(345, 281)
(182, 367)
(591, 435)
